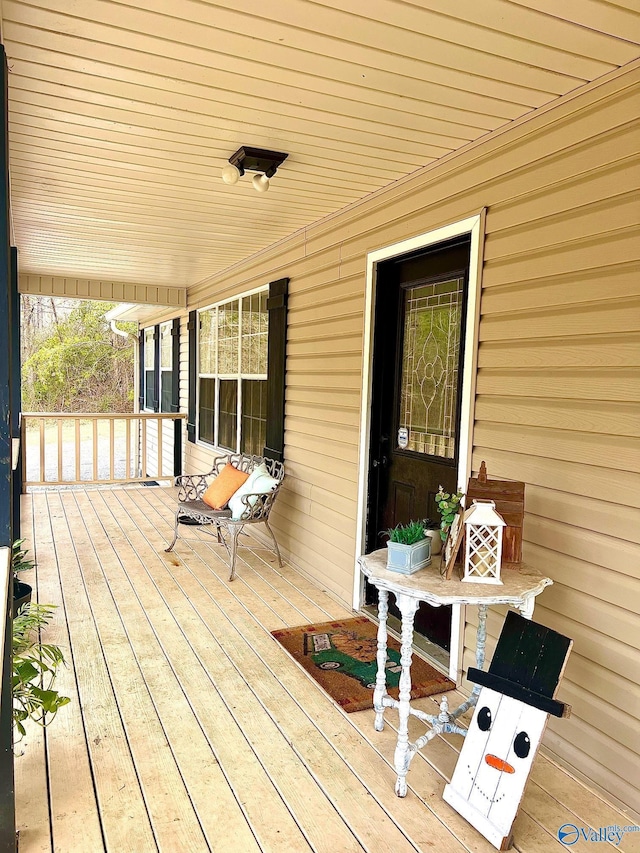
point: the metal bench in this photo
(257, 506)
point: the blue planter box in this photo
(407, 559)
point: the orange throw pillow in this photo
(225, 485)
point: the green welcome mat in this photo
(341, 657)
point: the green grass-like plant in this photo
(407, 534)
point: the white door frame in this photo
(473, 225)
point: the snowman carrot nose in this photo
(498, 763)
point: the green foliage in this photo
(34, 669)
(407, 534)
(80, 365)
(448, 507)
(19, 560)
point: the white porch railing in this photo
(61, 449)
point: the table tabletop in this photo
(519, 583)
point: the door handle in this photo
(382, 462)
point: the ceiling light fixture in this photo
(248, 159)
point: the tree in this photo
(78, 364)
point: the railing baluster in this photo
(127, 472)
(112, 439)
(42, 436)
(95, 450)
(160, 423)
(143, 473)
(60, 422)
(77, 448)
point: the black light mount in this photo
(248, 159)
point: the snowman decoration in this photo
(514, 704)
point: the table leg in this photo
(402, 756)
(481, 645)
(381, 656)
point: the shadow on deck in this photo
(190, 729)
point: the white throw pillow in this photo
(259, 482)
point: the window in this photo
(166, 367)
(149, 368)
(232, 373)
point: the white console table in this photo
(519, 589)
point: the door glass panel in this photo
(430, 360)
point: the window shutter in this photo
(175, 396)
(141, 371)
(192, 327)
(175, 366)
(276, 360)
(156, 369)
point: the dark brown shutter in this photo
(175, 396)
(192, 327)
(277, 355)
(156, 369)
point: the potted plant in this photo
(448, 507)
(34, 669)
(20, 563)
(408, 548)
(432, 530)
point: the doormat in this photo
(341, 657)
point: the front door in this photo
(420, 314)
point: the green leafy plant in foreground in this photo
(407, 534)
(19, 560)
(34, 669)
(448, 507)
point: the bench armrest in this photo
(192, 486)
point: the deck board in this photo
(190, 728)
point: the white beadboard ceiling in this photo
(122, 114)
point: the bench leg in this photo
(234, 530)
(175, 534)
(275, 543)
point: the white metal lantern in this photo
(483, 528)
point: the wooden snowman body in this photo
(508, 723)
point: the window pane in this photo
(206, 341)
(255, 323)
(430, 359)
(228, 338)
(206, 412)
(166, 390)
(149, 349)
(228, 414)
(254, 416)
(166, 349)
(149, 376)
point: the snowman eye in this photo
(484, 719)
(522, 745)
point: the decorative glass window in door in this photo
(430, 361)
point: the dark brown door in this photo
(417, 376)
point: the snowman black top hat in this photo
(527, 664)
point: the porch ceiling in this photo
(123, 114)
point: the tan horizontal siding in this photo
(557, 385)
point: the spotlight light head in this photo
(230, 174)
(260, 183)
(259, 160)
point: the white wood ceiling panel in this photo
(123, 113)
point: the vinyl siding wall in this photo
(557, 385)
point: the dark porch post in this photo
(8, 425)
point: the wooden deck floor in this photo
(190, 729)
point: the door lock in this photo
(382, 462)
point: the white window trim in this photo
(151, 331)
(212, 446)
(162, 369)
